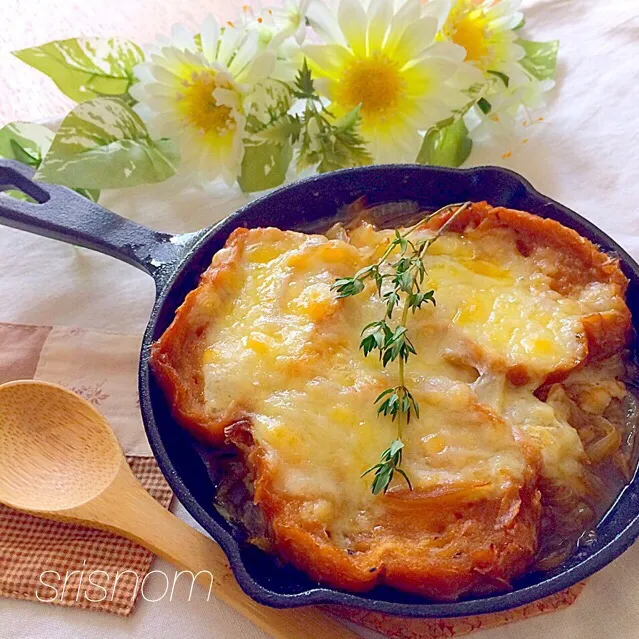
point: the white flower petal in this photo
(453, 97)
(193, 58)
(246, 52)
(507, 22)
(158, 89)
(498, 9)
(397, 143)
(162, 103)
(259, 68)
(282, 70)
(162, 74)
(190, 148)
(210, 34)
(330, 58)
(229, 41)
(380, 13)
(139, 91)
(445, 50)
(168, 122)
(352, 21)
(188, 58)
(323, 21)
(428, 112)
(545, 85)
(515, 73)
(145, 112)
(407, 15)
(163, 40)
(416, 37)
(429, 72)
(300, 34)
(517, 52)
(409, 141)
(143, 73)
(465, 76)
(515, 20)
(227, 97)
(182, 37)
(438, 9)
(161, 59)
(170, 58)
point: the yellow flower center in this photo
(200, 108)
(374, 82)
(471, 32)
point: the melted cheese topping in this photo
(286, 352)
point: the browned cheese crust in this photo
(570, 260)
(440, 546)
(176, 358)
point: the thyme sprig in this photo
(400, 284)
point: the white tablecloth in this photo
(585, 154)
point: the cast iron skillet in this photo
(176, 262)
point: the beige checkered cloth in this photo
(102, 367)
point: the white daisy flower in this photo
(485, 29)
(499, 122)
(292, 18)
(194, 93)
(508, 108)
(385, 59)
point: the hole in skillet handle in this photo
(18, 178)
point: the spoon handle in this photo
(128, 510)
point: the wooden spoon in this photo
(60, 459)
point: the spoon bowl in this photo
(56, 451)
(60, 459)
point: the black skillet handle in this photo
(62, 214)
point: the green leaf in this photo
(347, 286)
(405, 476)
(383, 394)
(395, 447)
(304, 85)
(85, 68)
(521, 25)
(267, 103)
(283, 131)
(484, 105)
(368, 344)
(28, 143)
(349, 121)
(447, 146)
(89, 194)
(264, 166)
(540, 59)
(502, 76)
(25, 142)
(17, 195)
(348, 148)
(103, 144)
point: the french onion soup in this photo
(439, 407)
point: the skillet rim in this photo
(323, 594)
